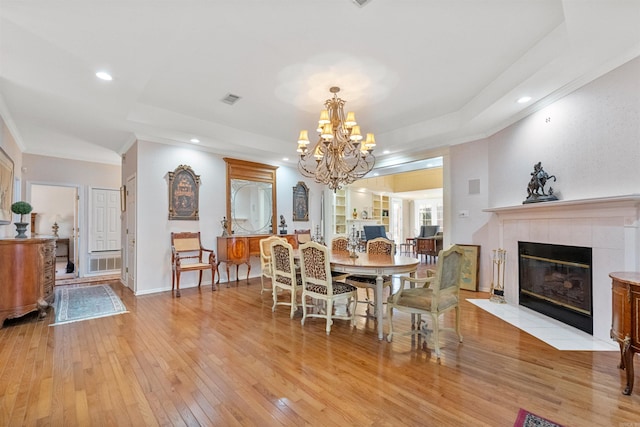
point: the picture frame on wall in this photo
(301, 202)
(6, 187)
(470, 267)
(184, 187)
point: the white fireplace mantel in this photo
(608, 225)
(601, 206)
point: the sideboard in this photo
(27, 276)
(625, 322)
(237, 249)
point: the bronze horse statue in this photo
(538, 180)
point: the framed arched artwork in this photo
(184, 186)
(301, 202)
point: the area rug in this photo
(74, 304)
(527, 419)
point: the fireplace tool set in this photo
(497, 276)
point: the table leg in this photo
(379, 307)
(413, 316)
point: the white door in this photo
(130, 232)
(105, 220)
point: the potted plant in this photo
(22, 209)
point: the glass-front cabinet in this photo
(340, 212)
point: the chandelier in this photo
(340, 157)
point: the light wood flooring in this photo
(224, 358)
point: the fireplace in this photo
(555, 280)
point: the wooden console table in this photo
(27, 276)
(625, 323)
(237, 249)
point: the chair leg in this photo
(173, 279)
(274, 292)
(329, 314)
(200, 279)
(293, 301)
(436, 334)
(214, 270)
(304, 309)
(177, 283)
(458, 323)
(354, 304)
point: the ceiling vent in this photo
(230, 99)
(361, 3)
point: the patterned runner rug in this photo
(527, 419)
(86, 302)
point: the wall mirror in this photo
(251, 197)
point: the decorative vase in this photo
(21, 228)
(355, 213)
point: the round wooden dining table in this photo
(376, 266)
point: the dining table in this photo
(376, 266)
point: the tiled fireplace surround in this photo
(610, 226)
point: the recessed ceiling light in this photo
(103, 75)
(386, 152)
(524, 99)
(286, 159)
(194, 140)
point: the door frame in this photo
(78, 211)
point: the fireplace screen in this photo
(556, 280)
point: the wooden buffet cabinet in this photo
(625, 322)
(27, 276)
(238, 249)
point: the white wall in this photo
(153, 252)
(53, 204)
(589, 139)
(71, 173)
(9, 145)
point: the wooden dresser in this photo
(237, 249)
(27, 276)
(625, 323)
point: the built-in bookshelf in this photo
(381, 210)
(340, 212)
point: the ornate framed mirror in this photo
(251, 197)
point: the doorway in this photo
(55, 213)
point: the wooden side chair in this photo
(303, 236)
(318, 284)
(188, 254)
(284, 275)
(438, 294)
(377, 246)
(265, 259)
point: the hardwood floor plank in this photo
(224, 358)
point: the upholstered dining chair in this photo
(284, 275)
(339, 244)
(318, 285)
(265, 259)
(438, 294)
(377, 246)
